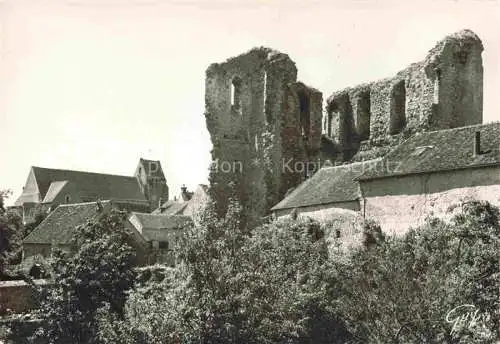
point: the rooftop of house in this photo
(60, 226)
(442, 150)
(172, 207)
(92, 185)
(328, 185)
(155, 221)
(178, 205)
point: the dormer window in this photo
(67, 198)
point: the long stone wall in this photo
(399, 203)
(443, 91)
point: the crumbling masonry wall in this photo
(443, 91)
(264, 127)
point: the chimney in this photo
(477, 143)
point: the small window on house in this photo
(236, 92)
(398, 108)
(163, 245)
(67, 198)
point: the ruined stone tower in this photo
(264, 127)
(443, 91)
(267, 129)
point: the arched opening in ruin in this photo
(305, 116)
(330, 124)
(398, 108)
(236, 92)
(363, 115)
(265, 90)
(437, 85)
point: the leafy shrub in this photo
(97, 275)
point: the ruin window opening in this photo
(398, 108)
(462, 57)
(305, 117)
(437, 84)
(363, 115)
(236, 92)
(265, 90)
(330, 124)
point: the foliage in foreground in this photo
(405, 290)
(277, 284)
(96, 276)
(11, 234)
(267, 287)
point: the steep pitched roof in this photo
(60, 225)
(441, 150)
(104, 186)
(328, 185)
(26, 198)
(152, 221)
(170, 208)
(54, 189)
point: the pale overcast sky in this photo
(96, 84)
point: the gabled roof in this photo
(27, 198)
(441, 150)
(328, 185)
(54, 189)
(60, 225)
(170, 208)
(95, 185)
(152, 221)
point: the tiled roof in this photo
(60, 225)
(328, 185)
(27, 198)
(171, 208)
(152, 221)
(54, 189)
(441, 150)
(104, 186)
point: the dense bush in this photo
(11, 234)
(266, 287)
(280, 284)
(402, 289)
(96, 276)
